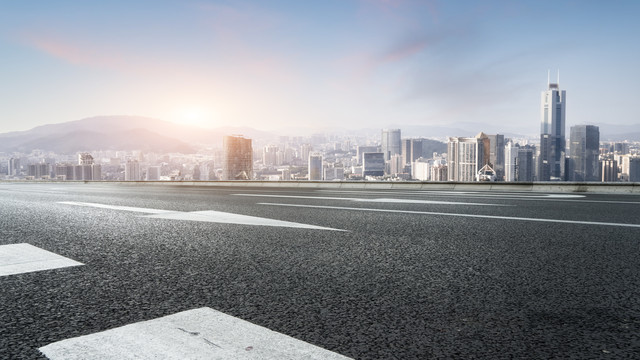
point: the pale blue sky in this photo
(341, 63)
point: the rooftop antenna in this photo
(558, 78)
(548, 78)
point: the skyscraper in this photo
(465, 157)
(552, 133)
(496, 154)
(13, 167)
(391, 143)
(584, 149)
(131, 171)
(524, 163)
(511, 158)
(411, 150)
(315, 167)
(238, 158)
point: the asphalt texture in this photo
(394, 285)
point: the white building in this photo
(510, 161)
(421, 170)
(465, 158)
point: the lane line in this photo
(205, 216)
(202, 333)
(24, 258)
(459, 215)
(376, 200)
(461, 193)
(549, 197)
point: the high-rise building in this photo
(524, 164)
(496, 154)
(270, 155)
(396, 164)
(365, 149)
(132, 171)
(238, 158)
(630, 168)
(552, 133)
(465, 156)
(584, 149)
(373, 164)
(39, 171)
(609, 170)
(439, 172)
(633, 169)
(315, 167)
(13, 167)
(510, 159)
(305, 150)
(411, 150)
(391, 143)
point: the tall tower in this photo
(552, 138)
(584, 153)
(391, 143)
(315, 166)
(238, 158)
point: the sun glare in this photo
(195, 116)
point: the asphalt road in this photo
(413, 274)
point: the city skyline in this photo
(351, 64)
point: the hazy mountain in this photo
(118, 132)
(74, 141)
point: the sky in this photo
(276, 64)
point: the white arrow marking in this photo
(206, 216)
(23, 258)
(195, 334)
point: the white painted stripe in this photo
(206, 216)
(230, 218)
(376, 200)
(526, 197)
(24, 258)
(202, 333)
(460, 215)
(116, 207)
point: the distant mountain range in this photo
(147, 134)
(118, 133)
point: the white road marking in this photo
(526, 197)
(206, 216)
(116, 207)
(202, 333)
(460, 215)
(230, 218)
(377, 200)
(24, 258)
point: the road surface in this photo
(386, 274)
